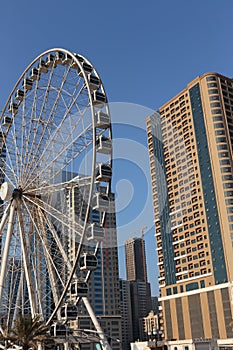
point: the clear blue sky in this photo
(145, 52)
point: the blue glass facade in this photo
(216, 244)
(163, 202)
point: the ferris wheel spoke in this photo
(48, 164)
(58, 135)
(26, 261)
(15, 149)
(35, 152)
(36, 146)
(50, 188)
(60, 186)
(46, 245)
(10, 174)
(57, 240)
(33, 129)
(24, 137)
(56, 214)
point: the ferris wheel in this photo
(56, 168)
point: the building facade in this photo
(135, 259)
(126, 314)
(140, 292)
(140, 305)
(190, 143)
(149, 326)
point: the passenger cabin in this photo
(79, 289)
(13, 107)
(98, 99)
(7, 121)
(59, 57)
(58, 330)
(67, 59)
(75, 64)
(103, 172)
(42, 67)
(104, 145)
(95, 232)
(50, 60)
(87, 69)
(69, 312)
(19, 95)
(100, 202)
(94, 82)
(27, 84)
(88, 262)
(102, 120)
(35, 74)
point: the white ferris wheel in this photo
(55, 154)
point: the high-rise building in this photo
(135, 259)
(140, 292)
(155, 305)
(190, 143)
(126, 314)
(140, 304)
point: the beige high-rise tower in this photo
(190, 143)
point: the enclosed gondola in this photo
(88, 262)
(79, 289)
(95, 232)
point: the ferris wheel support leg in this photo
(26, 262)
(39, 346)
(4, 217)
(7, 246)
(103, 339)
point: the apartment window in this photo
(216, 111)
(219, 132)
(214, 98)
(210, 85)
(220, 147)
(215, 104)
(217, 119)
(223, 154)
(213, 91)
(227, 177)
(225, 162)
(228, 193)
(211, 78)
(219, 126)
(221, 139)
